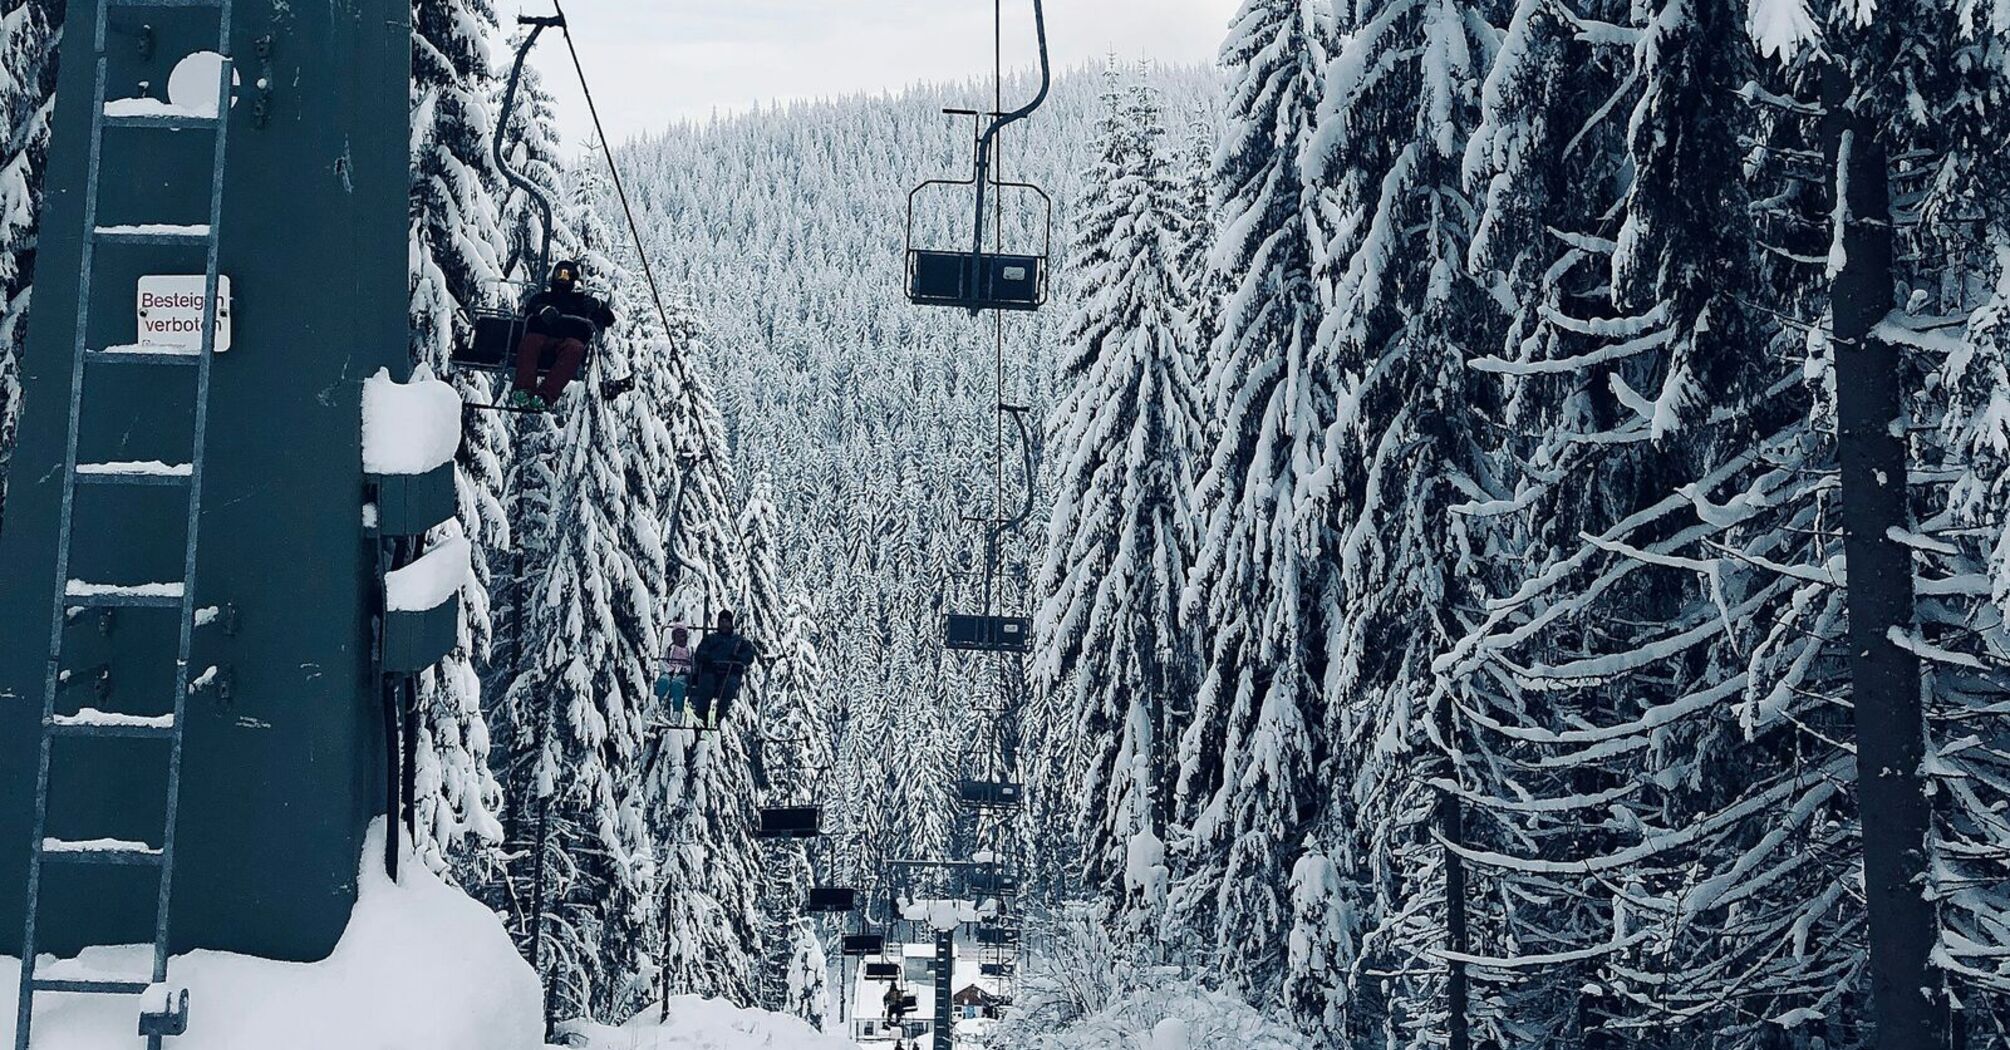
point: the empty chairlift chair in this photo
(863, 945)
(793, 822)
(832, 900)
(990, 794)
(993, 882)
(965, 269)
(988, 634)
(998, 936)
(977, 280)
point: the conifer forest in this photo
(1510, 500)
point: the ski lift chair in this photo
(791, 822)
(493, 339)
(993, 882)
(495, 334)
(966, 279)
(882, 971)
(990, 794)
(866, 945)
(998, 936)
(988, 634)
(832, 900)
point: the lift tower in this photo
(191, 748)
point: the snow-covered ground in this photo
(420, 967)
(704, 1024)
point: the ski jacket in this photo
(677, 661)
(580, 316)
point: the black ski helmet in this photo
(565, 275)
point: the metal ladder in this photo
(164, 1012)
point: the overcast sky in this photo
(654, 61)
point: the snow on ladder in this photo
(162, 1009)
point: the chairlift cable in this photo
(614, 172)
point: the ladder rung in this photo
(141, 354)
(100, 851)
(94, 723)
(95, 987)
(163, 121)
(153, 233)
(82, 595)
(150, 473)
(153, 113)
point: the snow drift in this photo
(421, 967)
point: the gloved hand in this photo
(548, 316)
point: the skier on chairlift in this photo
(896, 1006)
(673, 679)
(719, 666)
(564, 317)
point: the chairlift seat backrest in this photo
(990, 794)
(989, 634)
(997, 935)
(861, 944)
(976, 282)
(831, 900)
(993, 882)
(795, 822)
(493, 344)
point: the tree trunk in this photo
(1886, 682)
(1458, 938)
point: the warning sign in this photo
(170, 311)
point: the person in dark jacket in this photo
(896, 1008)
(564, 317)
(719, 666)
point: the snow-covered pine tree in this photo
(456, 247)
(700, 786)
(1952, 268)
(796, 758)
(762, 606)
(29, 31)
(1056, 749)
(809, 990)
(1409, 444)
(1194, 194)
(1258, 604)
(781, 732)
(591, 632)
(1124, 435)
(1656, 681)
